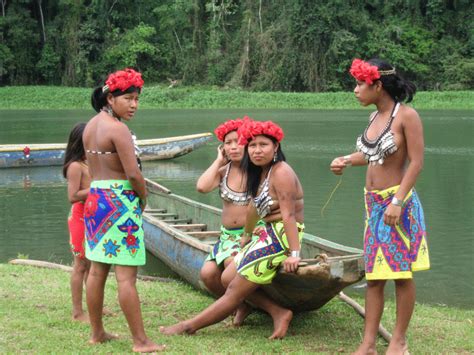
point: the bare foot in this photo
(177, 329)
(281, 322)
(397, 348)
(147, 347)
(242, 312)
(81, 317)
(104, 337)
(366, 349)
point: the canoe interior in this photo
(195, 226)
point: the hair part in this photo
(75, 147)
(395, 85)
(253, 171)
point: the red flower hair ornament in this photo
(250, 129)
(364, 71)
(228, 126)
(123, 80)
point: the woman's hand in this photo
(221, 157)
(291, 264)
(337, 165)
(142, 204)
(392, 215)
(244, 240)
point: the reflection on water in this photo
(34, 205)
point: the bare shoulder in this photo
(408, 113)
(75, 168)
(282, 170)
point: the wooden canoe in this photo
(181, 231)
(22, 155)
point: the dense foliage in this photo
(277, 45)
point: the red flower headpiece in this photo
(364, 71)
(228, 126)
(250, 129)
(122, 80)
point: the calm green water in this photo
(34, 208)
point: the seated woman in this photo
(278, 200)
(225, 172)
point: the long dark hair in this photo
(75, 148)
(397, 87)
(253, 171)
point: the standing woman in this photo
(76, 172)
(395, 234)
(278, 200)
(113, 210)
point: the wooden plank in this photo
(152, 210)
(204, 234)
(163, 214)
(154, 186)
(190, 227)
(176, 220)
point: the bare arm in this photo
(122, 140)
(74, 176)
(287, 193)
(413, 132)
(211, 178)
(286, 188)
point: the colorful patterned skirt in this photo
(113, 220)
(76, 226)
(258, 262)
(394, 252)
(227, 246)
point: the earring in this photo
(275, 157)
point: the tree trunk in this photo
(42, 19)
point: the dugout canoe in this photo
(23, 155)
(181, 231)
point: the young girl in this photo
(113, 209)
(76, 172)
(277, 198)
(395, 234)
(225, 172)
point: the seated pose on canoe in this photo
(76, 172)
(395, 234)
(113, 209)
(278, 200)
(225, 172)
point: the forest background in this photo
(260, 45)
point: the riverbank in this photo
(35, 316)
(156, 97)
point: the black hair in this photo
(253, 171)
(398, 88)
(99, 98)
(75, 148)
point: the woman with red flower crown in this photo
(113, 209)
(277, 198)
(226, 174)
(395, 233)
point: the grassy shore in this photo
(35, 317)
(50, 97)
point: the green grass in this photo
(35, 317)
(54, 97)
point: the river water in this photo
(34, 207)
